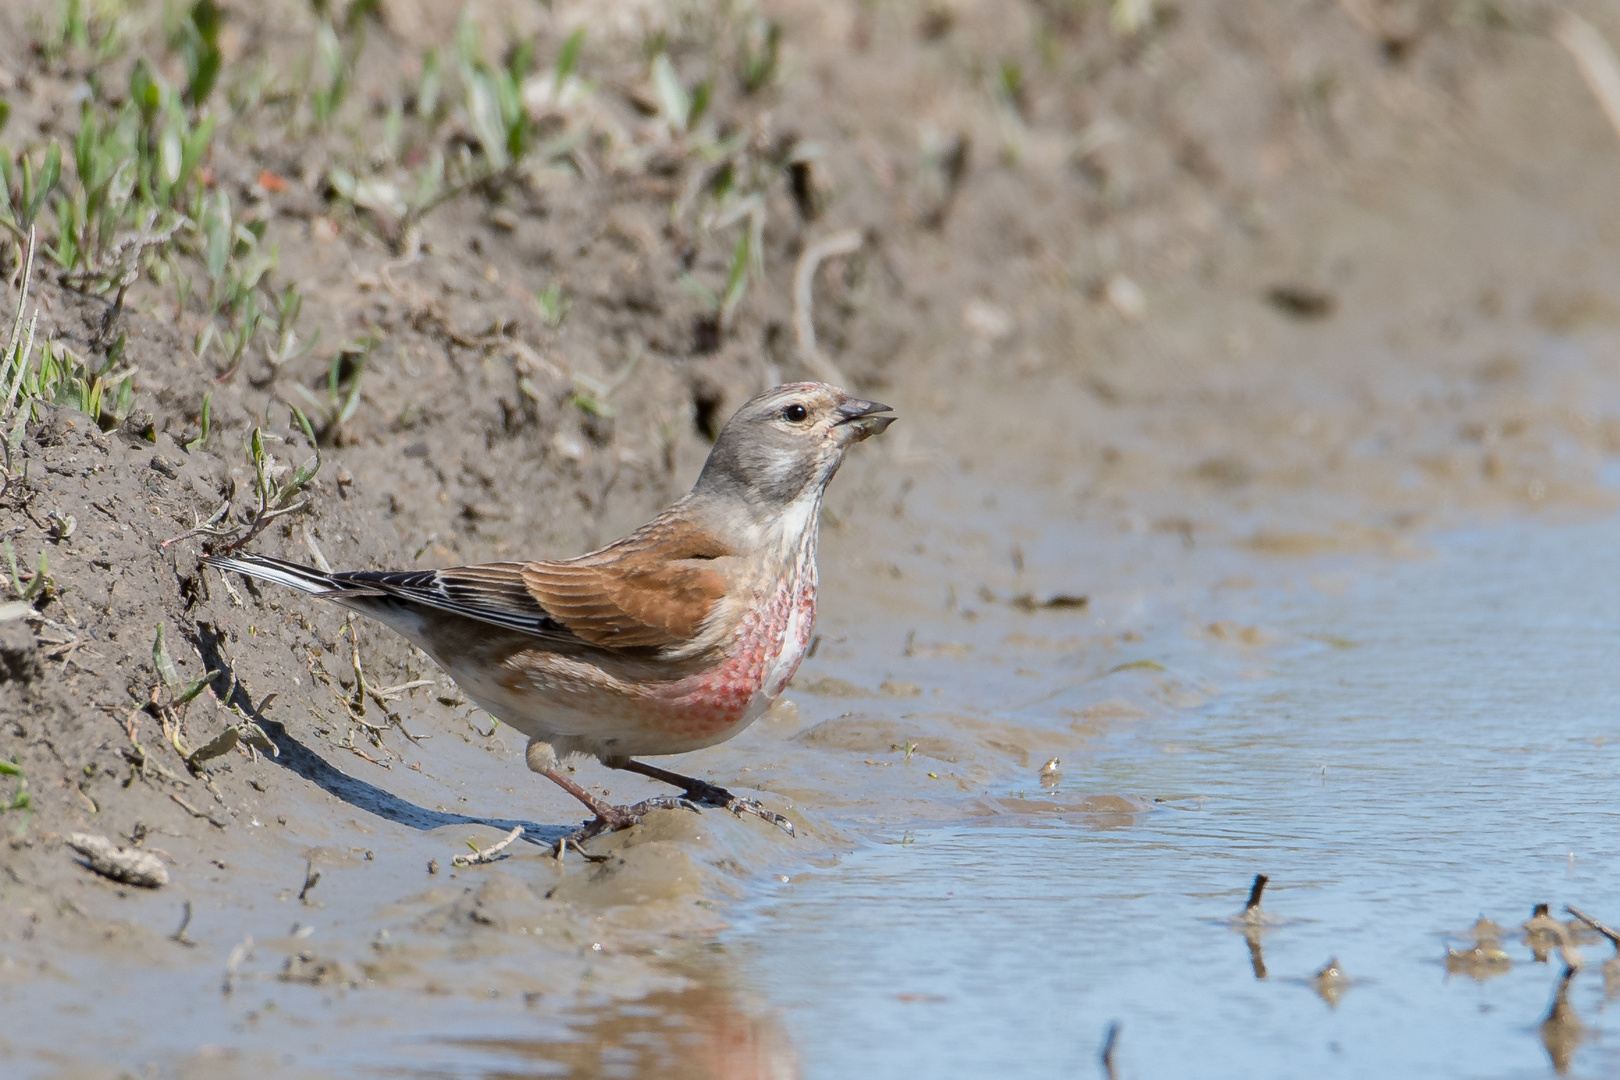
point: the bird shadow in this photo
(360, 794)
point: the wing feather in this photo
(491, 593)
(655, 589)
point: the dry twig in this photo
(487, 854)
(804, 327)
(1611, 934)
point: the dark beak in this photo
(862, 418)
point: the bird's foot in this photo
(695, 794)
(702, 793)
(608, 819)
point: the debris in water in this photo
(1543, 933)
(1137, 665)
(1110, 1043)
(1486, 959)
(1301, 301)
(241, 952)
(180, 935)
(312, 878)
(1331, 982)
(1055, 602)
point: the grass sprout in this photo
(342, 389)
(24, 187)
(195, 36)
(20, 801)
(203, 422)
(553, 305)
(508, 118)
(757, 54)
(56, 375)
(34, 588)
(338, 45)
(129, 196)
(86, 31)
(681, 110)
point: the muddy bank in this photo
(1178, 317)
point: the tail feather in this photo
(303, 578)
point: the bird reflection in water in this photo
(700, 1033)
(1562, 1031)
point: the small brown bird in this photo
(671, 639)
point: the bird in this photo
(673, 638)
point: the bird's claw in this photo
(749, 806)
(710, 795)
(665, 802)
(607, 819)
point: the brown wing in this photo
(654, 589)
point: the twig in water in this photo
(312, 878)
(1110, 1041)
(240, 953)
(487, 854)
(1252, 924)
(180, 935)
(196, 813)
(1611, 934)
(562, 848)
(804, 327)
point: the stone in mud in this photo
(121, 864)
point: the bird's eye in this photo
(795, 413)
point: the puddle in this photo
(1439, 744)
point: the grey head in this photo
(786, 443)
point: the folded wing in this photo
(655, 589)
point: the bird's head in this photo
(788, 442)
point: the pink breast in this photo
(768, 644)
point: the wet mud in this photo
(1248, 513)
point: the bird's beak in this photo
(861, 420)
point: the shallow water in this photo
(1431, 746)
(1445, 759)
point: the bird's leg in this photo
(698, 791)
(543, 760)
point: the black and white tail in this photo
(493, 593)
(303, 578)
